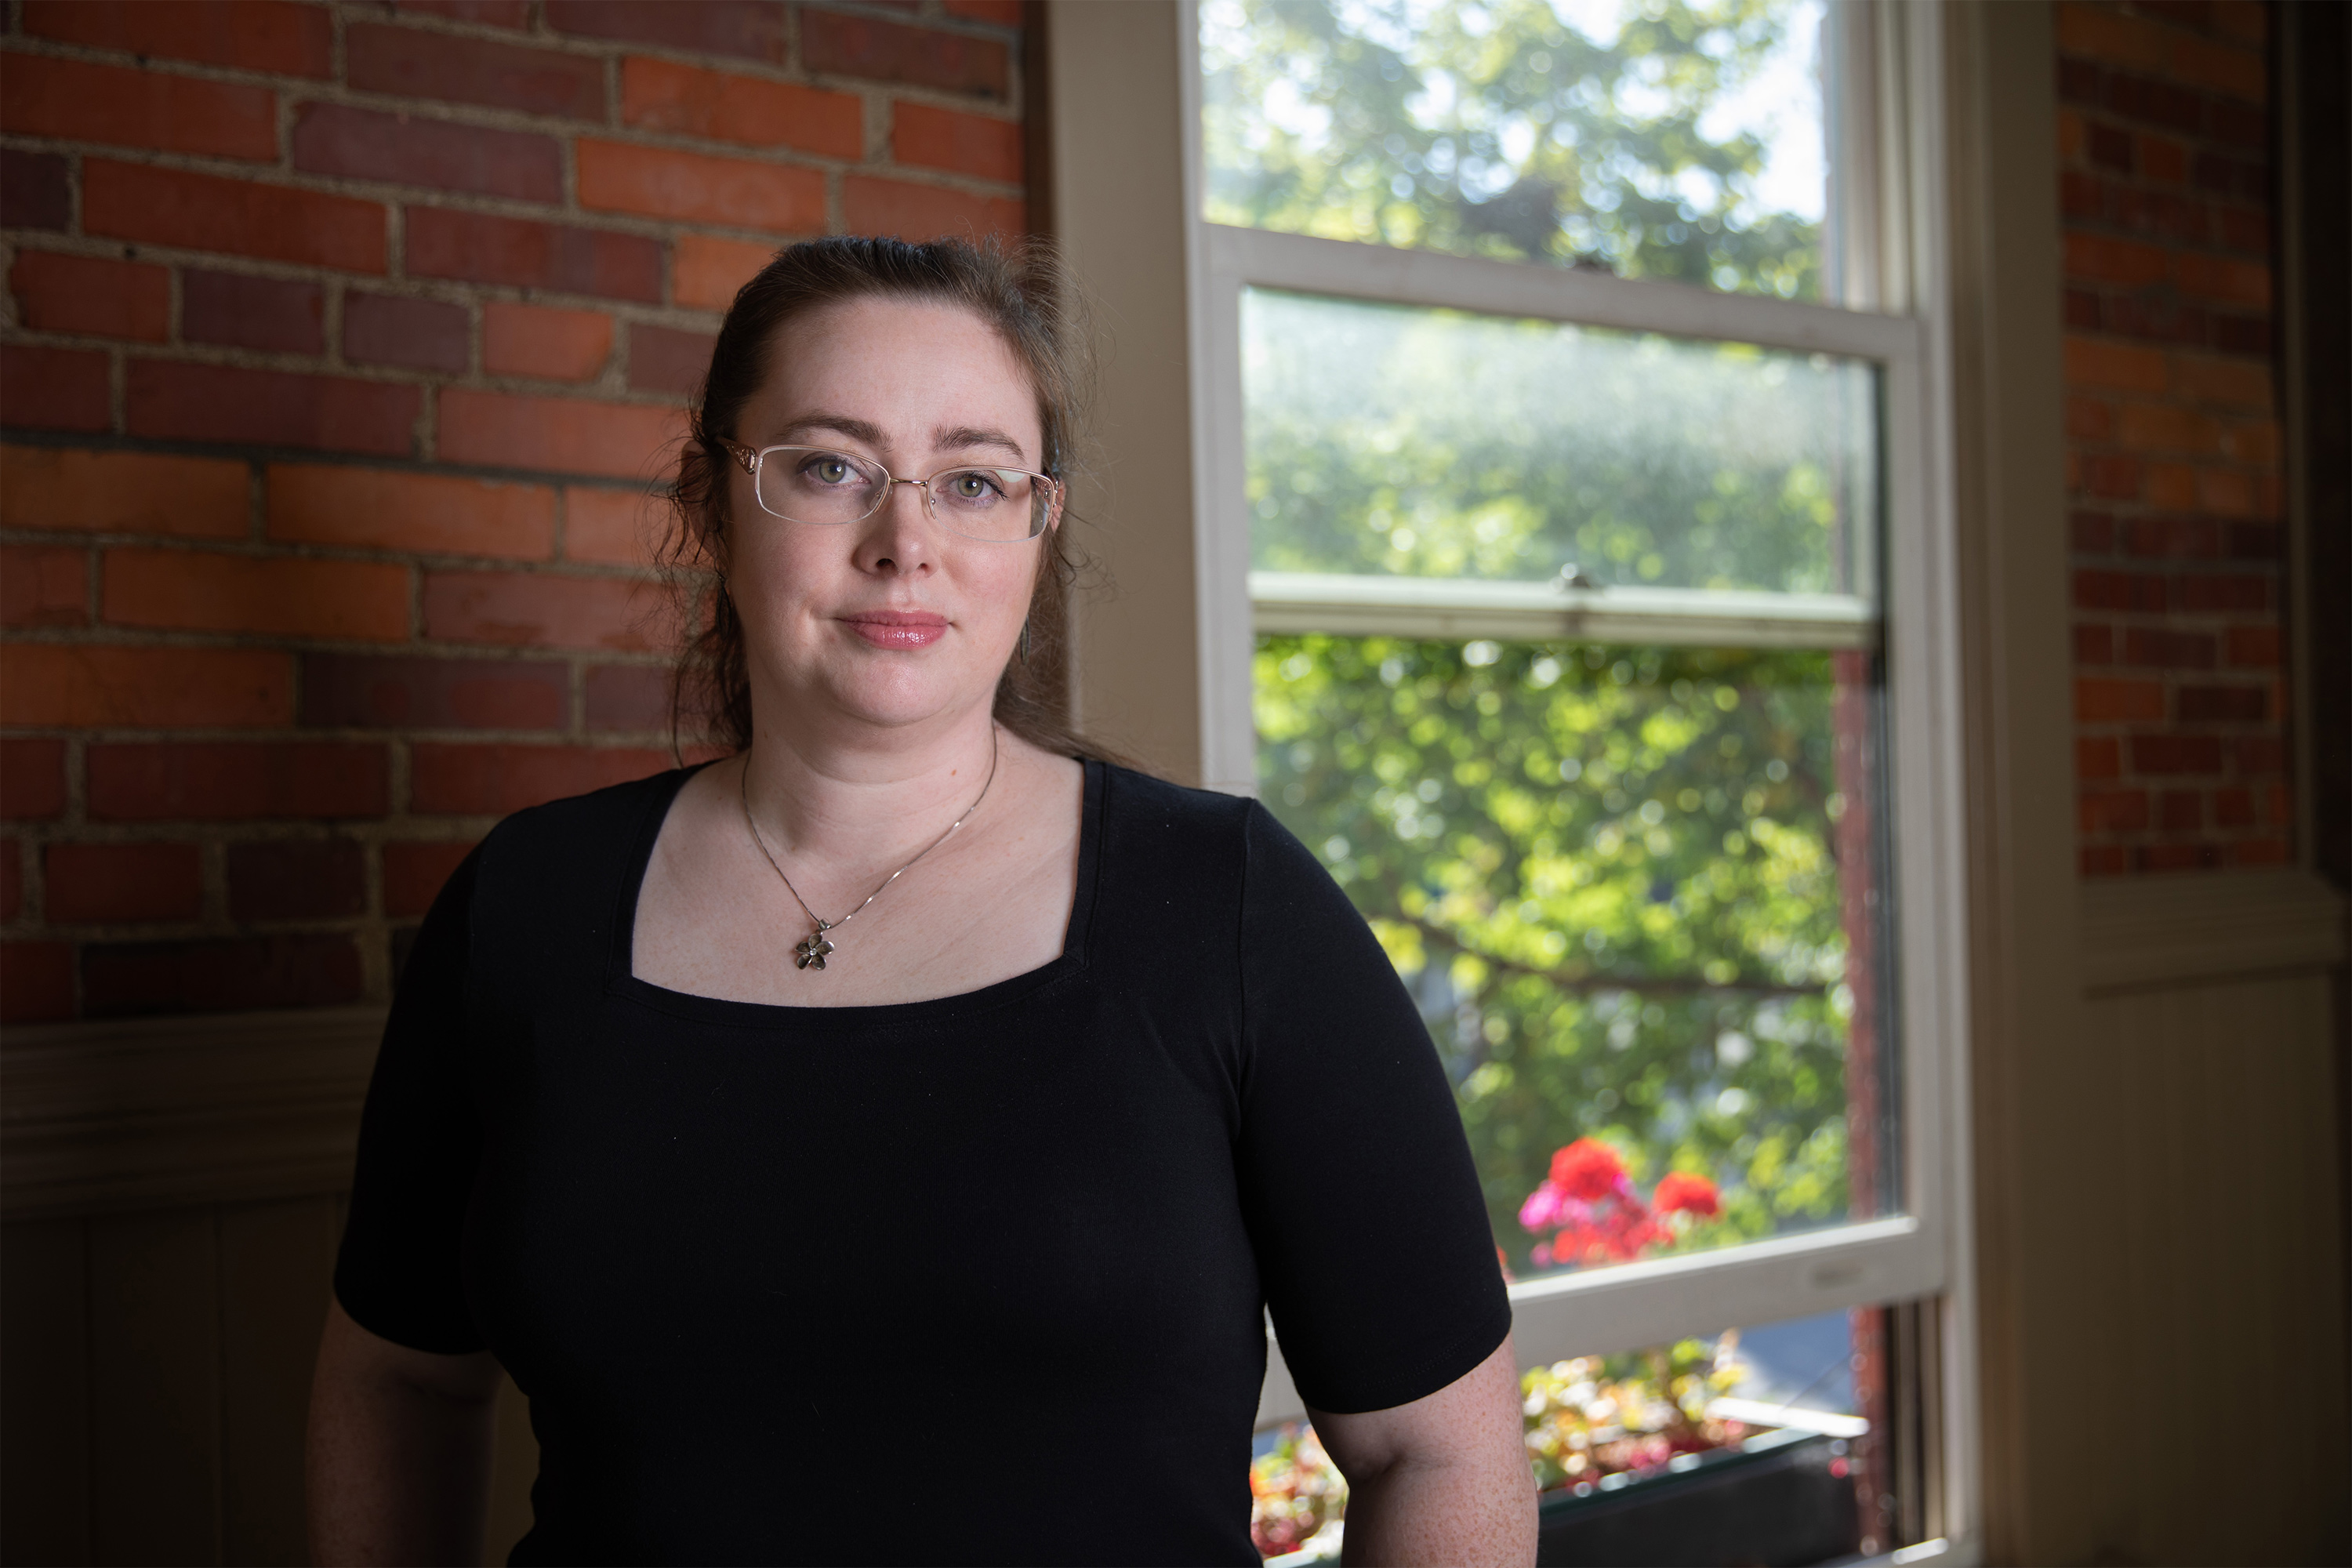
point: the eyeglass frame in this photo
(751, 460)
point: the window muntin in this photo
(1648, 138)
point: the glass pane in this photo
(1396, 441)
(1649, 1433)
(1635, 892)
(1651, 138)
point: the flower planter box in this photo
(1779, 1500)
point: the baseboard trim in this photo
(2158, 932)
(157, 1112)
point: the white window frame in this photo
(1920, 1252)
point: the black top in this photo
(974, 1279)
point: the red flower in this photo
(1690, 1194)
(1587, 1168)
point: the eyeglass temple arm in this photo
(743, 454)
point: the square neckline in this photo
(621, 981)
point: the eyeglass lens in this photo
(811, 485)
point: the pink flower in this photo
(1544, 1207)
(1688, 1193)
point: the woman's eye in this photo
(829, 470)
(972, 485)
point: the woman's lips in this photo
(897, 629)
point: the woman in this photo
(878, 1145)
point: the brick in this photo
(234, 218)
(2180, 811)
(2225, 493)
(89, 883)
(32, 780)
(2248, 335)
(90, 294)
(237, 781)
(663, 95)
(478, 247)
(2156, 649)
(2099, 701)
(2223, 278)
(2254, 541)
(2253, 647)
(2245, 229)
(2071, 135)
(889, 51)
(274, 36)
(296, 878)
(43, 587)
(662, 359)
(232, 976)
(706, 272)
(2094, 645)
(2098, 758)
(411, 150)
(617, 528)
(2081, 196)
(2239, 19)
(2167, 427)
(970, 144)
(492, 780)
(553, 346)
(2171, 538)
(414, 872)
(541, 610)
(2103, 258)
(616, 176)
(2161, 214)
(2223, 175)
(997, 13)
(2103, 860)
(2113, 477)
(2157, 103)
(871, 206)
(91, 686)
(565, 435)
(2168, 755)
(2089, 419)
(2081, 82)
(77, 100)
(2090, 533)
(59, 489)
(2117, 366)
(408, 62)
(361, 692)
(634, 698)
(12, 881)
(33, 193)
(2224, 383)
(396, 509)
(419, 335)
(750, 29)
(2208, 594)
(37, 982)
(2233, 808)
(2109, 147)
(180, 590)
(234, 309)
(2242, 124)
(2157, 317)
(2170, 485)
(2260, 852)
(2111, 810)
(54, 389)
(2140, 591)
(2223, 705)
(270, 408)
(2162, 158)
(489, 13)
(2112, 36)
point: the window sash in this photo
(1629, 1306)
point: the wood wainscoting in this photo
(171, 1196)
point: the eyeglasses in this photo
(823, 488)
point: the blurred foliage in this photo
(1607, 876)
(1496, 128)
(1603, 1416)
(1639, 459)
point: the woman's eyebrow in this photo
(952, 437)
(857, 429)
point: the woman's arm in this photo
(399, 1463)
(1443, 1480)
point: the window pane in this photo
(1635, 892)
(1653, 138)
(1396, 441)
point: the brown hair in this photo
(1021, 290)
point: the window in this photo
(1566, 573)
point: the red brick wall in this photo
(342, 344)
(2173, 458)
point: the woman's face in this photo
(894, 621)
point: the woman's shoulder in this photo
(1202, 835)
(597, 831)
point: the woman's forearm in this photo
(399, 1458)
(1438, 1513)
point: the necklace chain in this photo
(809, 952)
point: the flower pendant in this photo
(809, 953)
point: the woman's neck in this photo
(839, 801)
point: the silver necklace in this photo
(809, 952)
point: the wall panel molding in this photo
(2162, 932)
(160, 1112)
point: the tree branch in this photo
(1586, 984)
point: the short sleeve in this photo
(398, 1273)
(1363, 1204)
